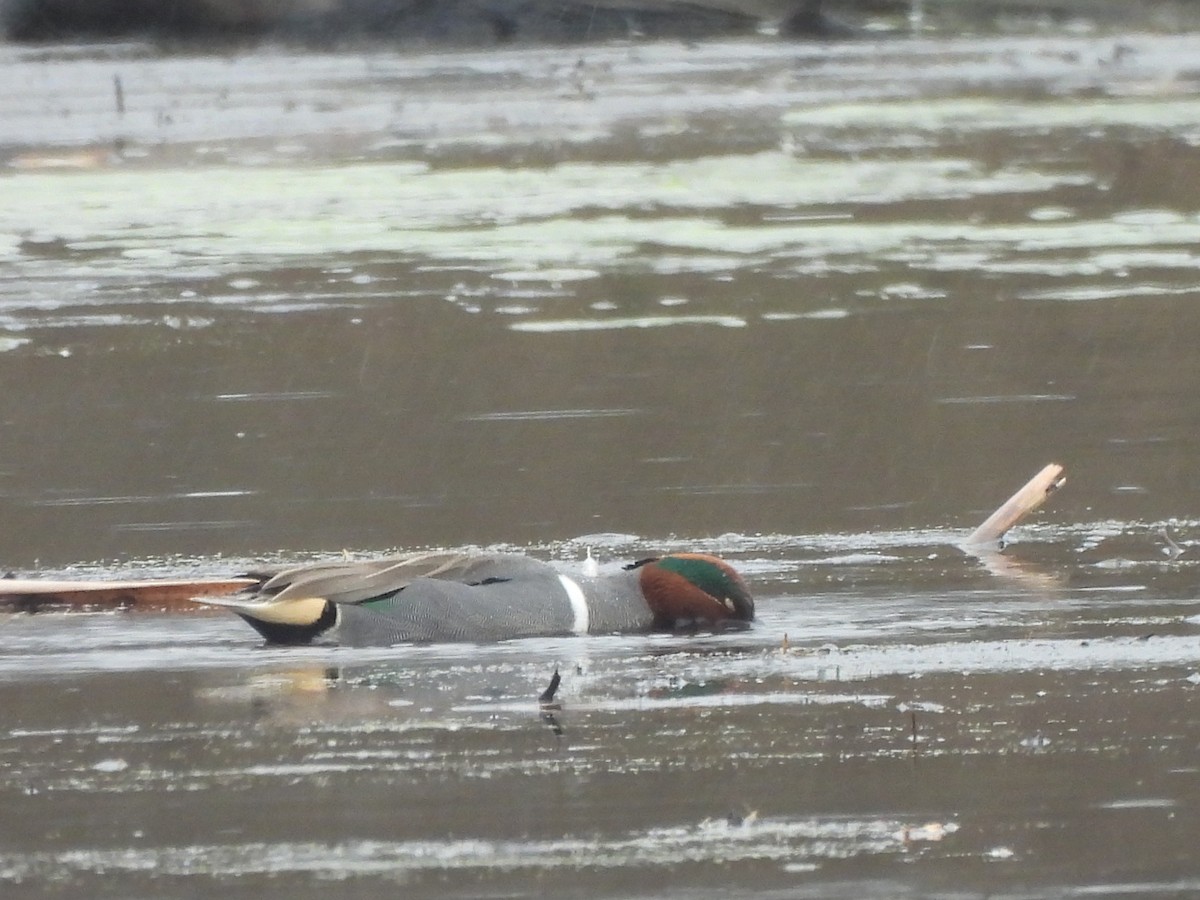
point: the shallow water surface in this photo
(816, 308)
(904, 719)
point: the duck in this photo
(438, 596)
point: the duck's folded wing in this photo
(357, 582)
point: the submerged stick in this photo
(158, 595)
(119, 92)
(1018, 506)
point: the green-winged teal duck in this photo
(441, 596)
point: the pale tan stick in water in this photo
(1017, 507)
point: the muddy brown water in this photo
(815, 308)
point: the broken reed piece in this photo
(1018, 506)
(168, 595)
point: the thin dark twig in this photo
(547, 696)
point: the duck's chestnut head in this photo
(693, 588)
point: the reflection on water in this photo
(818, 309)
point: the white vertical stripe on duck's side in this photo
(578, 604)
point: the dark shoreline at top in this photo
(465, 23)
(490, 23)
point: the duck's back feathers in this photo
(438, 609)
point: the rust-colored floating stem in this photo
(1018, 506)
(174, 595)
